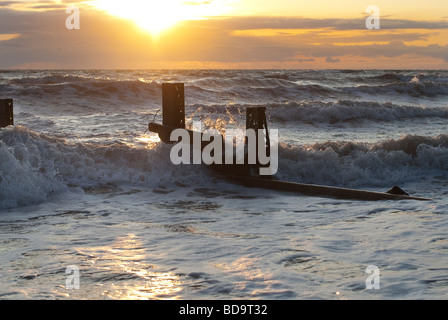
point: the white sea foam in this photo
(35, 166)
(353, 164)
(317, 112)
(110, 202)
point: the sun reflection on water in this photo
(148, 140)
(126, 276)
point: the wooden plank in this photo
(240, 174)
(165, 131)
(318, 190)
(174, 118)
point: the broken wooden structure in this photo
(174, 118)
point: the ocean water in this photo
(84, 185)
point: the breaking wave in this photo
(348, 110)
(36, 166)
(416, 89)
(237, 85)
(355, 164)
(74, 87)
(315, 112)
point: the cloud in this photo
(7, 37)
(108, 42)
(33, 6)
(9, 3)
(247, 23)
(331, 60)
(305, 60)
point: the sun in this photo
(156, 16)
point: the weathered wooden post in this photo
(174, 118)
(256, 120)
(6, 112)
(173, 103)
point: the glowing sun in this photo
(156, 16)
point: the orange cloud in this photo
(6, 37)
(105, 41)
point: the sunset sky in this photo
(147, 34)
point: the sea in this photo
(92, 207)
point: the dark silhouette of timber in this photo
(174, 118)
(6, 112)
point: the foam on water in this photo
(233, 84)
(317, 112)
(35, 166)
(82, 183)
(353, 164)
